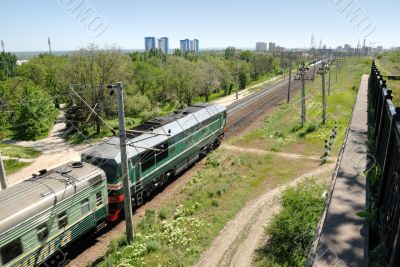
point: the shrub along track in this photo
(241, 114)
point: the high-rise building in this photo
(149, 43)
(272, 47)
(194, 45)
(261, 47)
(185, 45)
(163, 45)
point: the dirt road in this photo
(237, 242)
(55, 152)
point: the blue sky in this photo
(25, 25)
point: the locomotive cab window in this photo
(62, 220)
(147, 159)
(11, 251)
(42, 232)
(163, 153)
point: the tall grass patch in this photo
(291, 231)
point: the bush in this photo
(292, 230)
(136, 104)
(36, 115)
(149, 114)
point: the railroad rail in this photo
(243, 112)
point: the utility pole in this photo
(322, 70)
(337, 67)
(3, 179)
(124, 162)
(237, 79)
(302, 75)
(329, 79)
(2, 45)
(290, 78)
(48, 41)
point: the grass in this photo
(282, 131)
(15, 151)
(177, 233)
(292, 230)
(389, 64)
(12, 165)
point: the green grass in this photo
(12, 165)
(292, 230)
(178, 232)
(15, 151)
(281, 130)
(389, 64)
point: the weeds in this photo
(291, 231)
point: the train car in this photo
(45, 213)
(158, 150)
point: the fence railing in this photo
(384, 125)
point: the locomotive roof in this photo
(173, 124)
(34, 195)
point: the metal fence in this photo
(384, 123)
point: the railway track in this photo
(243, 112)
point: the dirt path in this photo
(55, 152)
(227, 100)
(236, 243)
(266, 152)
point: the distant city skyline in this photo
(217, 24)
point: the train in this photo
(54, 208)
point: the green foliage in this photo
(377, 256)
(12, 165)
(292, 230)
(152, 81)
(8, 62)
(136, 104)
(15, 151)
(36, 115)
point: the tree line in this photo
(154, 83)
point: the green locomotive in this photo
(43, 214)
(158, 150)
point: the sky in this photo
(73, 24)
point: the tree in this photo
(46, 71)
(145, 76)
(180, 79)
(36, 113)
(244, 75)
(246, 55)
(230, 53)
(90, 71)
(208, 78)
(8, 62)
(227, 77)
